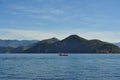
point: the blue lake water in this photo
(55, 67)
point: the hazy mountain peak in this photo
(55, 39)
(51, 40)
(117, 44)
(16, 43)
(74, 38)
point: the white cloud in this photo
(35, 10)
(46, 13)
(24, 34)
(45, 17)
(40, 35)
(56, 11)
(107, 36)
(25, 9)
(40, 0)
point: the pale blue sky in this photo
(41, 19)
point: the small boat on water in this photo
(63, 54)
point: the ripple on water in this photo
(53, 67)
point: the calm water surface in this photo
(55, 67)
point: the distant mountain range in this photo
(16, 43)
(117, 44)
(71, 44)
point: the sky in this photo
(43, 19)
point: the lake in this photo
(55, 67)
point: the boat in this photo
(63, 54)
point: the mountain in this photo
(19, 49)
(72, 44)
(117, 44)
(6, 49)
(16, 43)
(42, 45)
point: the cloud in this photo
(46, 13)
(36, 10)
(44, 17)
(26, 9)
(107, 36)
(99, 20)
(24, 34)
(56, 11)
(40, 0)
